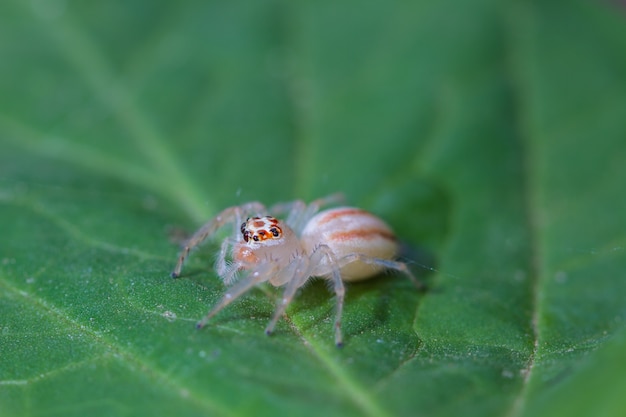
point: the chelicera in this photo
(339, 244)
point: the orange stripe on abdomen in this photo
(362, 234)
(334, 214)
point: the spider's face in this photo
(260, 229)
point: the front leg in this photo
(257, 275)
(226, 216)
(297, 274)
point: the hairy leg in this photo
(292, 209)
(296, 271)
(324, 251)
(385, 263)
(299, 213)
(256, 276)
(226, 216)
(301, 270)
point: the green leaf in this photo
(490, 135)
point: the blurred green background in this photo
(490, 135)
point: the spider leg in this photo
(226, 216)
(297, 279)
(301, 271)
(256, 276)
(385, 263)
(226, 270)
(340, 291)
(293, 209)
(299, 212)
(336, 198)
(315, 205)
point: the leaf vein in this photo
(126, 357)
(84, 56)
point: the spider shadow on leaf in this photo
(375, 306)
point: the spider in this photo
(339, 244)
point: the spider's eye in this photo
(246, 235)
(275, 232)
(255, 238)
(243, 227)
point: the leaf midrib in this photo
(529, 185)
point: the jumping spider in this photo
(339, 244)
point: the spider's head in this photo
(260, 229)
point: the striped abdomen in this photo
(348, 230)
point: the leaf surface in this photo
(489, 135)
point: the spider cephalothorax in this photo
(259, 229)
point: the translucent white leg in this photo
(261, 274)
(299, 276)
(226, 216)
(293, 209)
(315, 205)
(336, 198)
(385, 263)
(300, 213)
(301, 271)
(325, 251)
